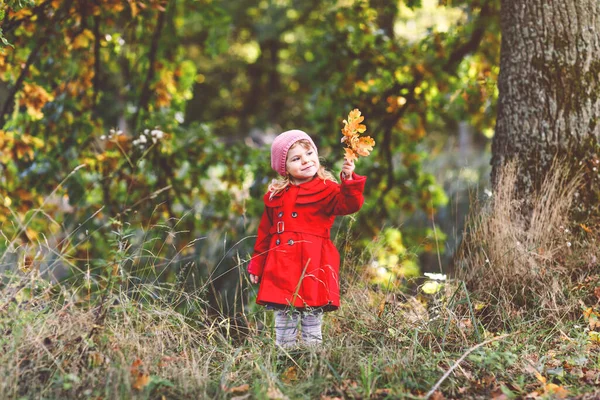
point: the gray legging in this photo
(286, 327)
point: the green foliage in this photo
(142, 111)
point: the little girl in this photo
(294, 259)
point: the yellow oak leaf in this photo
(349, 154)
(365, 145)
(355, 144)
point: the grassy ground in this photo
(520, 320)
(378, 345)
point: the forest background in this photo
(166, 112)
(134, 153)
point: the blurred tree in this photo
(549, 102)
(147, 105)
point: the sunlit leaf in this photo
(355, 144)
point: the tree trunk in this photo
(549, 87)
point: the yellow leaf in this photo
(355, 145)
(141, 381)
(365, 146)
(594, 337)
(381, 308)
(349, 154)
(82, 41)
(539, 376)
(431, 287)
(585, 228)
(290, 375)
(134, 8)
(558, 392)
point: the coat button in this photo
(294, 214)
(280, 214)
(287, 188)
(277, 241)
(290, 242)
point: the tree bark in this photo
(549, 87)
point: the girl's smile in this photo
(302, 163)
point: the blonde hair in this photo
(279, 184)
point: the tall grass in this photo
(520, 260)
(111, 335)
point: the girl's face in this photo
(302, 163)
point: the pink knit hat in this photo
(282, 144)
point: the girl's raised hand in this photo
(347, 169)
(253, 278)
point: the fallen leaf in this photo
(141, 381)
(585, 228)
(381, 308)
(139, 375)
(531, 369)
(437, 395)
(239, 389)
(556, 391)
(290, 375)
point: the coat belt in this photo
(281, 227)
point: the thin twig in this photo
(461, 359)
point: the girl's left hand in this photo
(348, 169)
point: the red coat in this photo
(294, 256)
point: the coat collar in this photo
(307, 192)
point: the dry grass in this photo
(522, 262)
(56, 345)
(129, 340)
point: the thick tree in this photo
(549, 86)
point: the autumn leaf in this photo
(557, 392)
(134, 8)
(139, 376)
(590, 315)
(349, 154)
(290, 375)
(594, 337)
(83, 40)
(585, 228)
(239, 389)
(365, 145)
(355, 144)
(34, 98)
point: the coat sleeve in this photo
(350, 197)
(259, 256)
